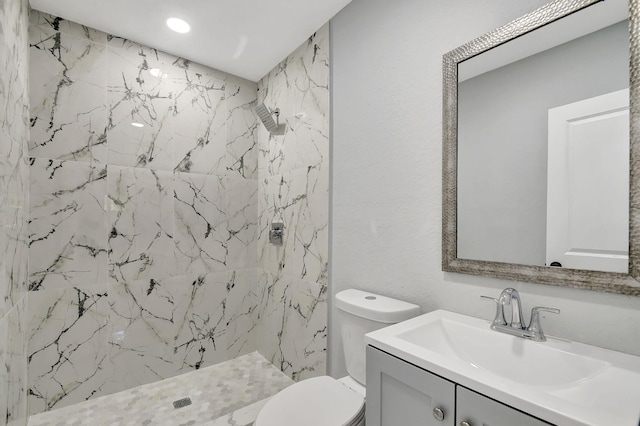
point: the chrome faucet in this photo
(517, 327)
(511, 297)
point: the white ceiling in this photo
(246, 38)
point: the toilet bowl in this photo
(325, 401)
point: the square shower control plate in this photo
(276, 234)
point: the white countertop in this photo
(559, 381)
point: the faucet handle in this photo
(534, 325)
(499, 318)
(542, 308)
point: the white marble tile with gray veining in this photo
(142, 329)
(216, 320)
(52, 24)
(241, 312)
(90, 342)
(299, 86)
(67, 229)
(14, 185)
(68, 358)
(13, 232)
(198, 119)
(194, 127)
(309, 258)
(241, 209)
(14, 102)
(162, 219)
(140, 224)
(299, 200)
(201, 336)
(14, 16)
(180, 104)
(215, 223)
(292, 317)
(293, 188)
(13, 365)
(273, 200)
(68, 105)
(175, 68)
(201, 240)
(242, 131)
(140, 104)
(4, 368)
(14, 68)
(5, 395)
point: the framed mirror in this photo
(541, 140)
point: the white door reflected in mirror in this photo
(588, 184)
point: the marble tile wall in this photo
(294, 189)
(148, 245)
(14, 181)
(92, 341)
(142, 240)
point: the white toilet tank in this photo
(361, 312)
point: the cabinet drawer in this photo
(478, 410)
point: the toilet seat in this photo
(320, 401)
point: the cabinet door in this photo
(478, 410)
(399, 393)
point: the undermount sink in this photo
(562, 382)
(514, 359)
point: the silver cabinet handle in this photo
(438, 414)
(464, 424)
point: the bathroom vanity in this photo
(415, 396)
(444, 368)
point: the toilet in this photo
(325, 401)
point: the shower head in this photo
(266, 118)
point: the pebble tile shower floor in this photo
(230, 394)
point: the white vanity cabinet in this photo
(399, 393)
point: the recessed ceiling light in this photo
(178, 25)
(134, 124)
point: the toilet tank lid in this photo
(375, 307)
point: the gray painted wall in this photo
(502, 141)
(386, 171)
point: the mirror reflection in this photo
(543, 146)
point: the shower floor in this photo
(230, 393)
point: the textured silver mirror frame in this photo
(589, 280)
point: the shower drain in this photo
(182, 402)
